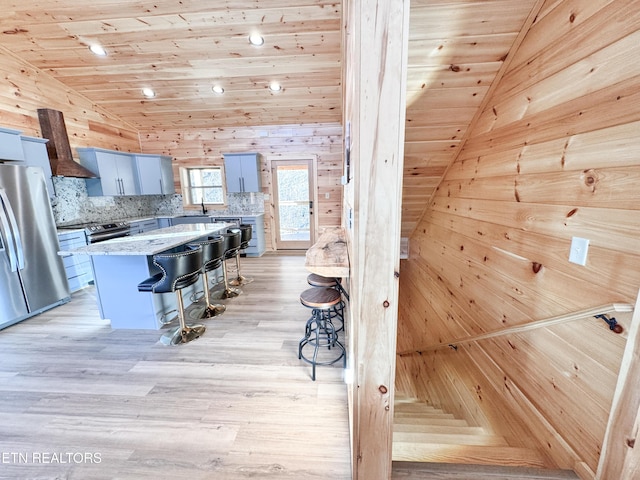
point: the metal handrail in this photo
(597, 312)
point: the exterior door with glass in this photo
(293, 188)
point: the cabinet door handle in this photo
(240, 183)
(161, 189)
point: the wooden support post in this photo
(620, 457)
(376, 41)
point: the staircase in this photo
(422, 433)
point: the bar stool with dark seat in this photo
(245, 238)
(232, 242)
(177, 271)
(316, 280)
(212, 255)
(320, 332)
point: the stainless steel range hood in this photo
(62, 163)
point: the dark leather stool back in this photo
(179, 270)
(245, 235)
(232, 241)
(212, 252)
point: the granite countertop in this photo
(150, 243)
(212, 215)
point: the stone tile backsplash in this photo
(72, 205)
(243, 203)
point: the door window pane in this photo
(293, 203)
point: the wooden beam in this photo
(619, 458)
(376, 69)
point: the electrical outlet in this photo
(327, 195)
(578, 252)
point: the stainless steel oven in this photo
(99, 232)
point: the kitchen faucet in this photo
(204, 210)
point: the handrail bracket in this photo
(612, 322)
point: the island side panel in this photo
(116, 279)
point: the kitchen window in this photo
(202, 185)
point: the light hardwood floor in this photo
(236, 403)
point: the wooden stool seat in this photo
(316, 280)
(320, 333)
(323, 298)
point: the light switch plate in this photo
(578, 252)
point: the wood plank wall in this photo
(206, 147)
(554, 155)
(25, 89)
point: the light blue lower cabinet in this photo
(78, 267)
(257, 242)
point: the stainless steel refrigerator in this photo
(32, 275)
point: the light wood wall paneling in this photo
(554, 220)
(570, 83)
(551, 443)
(590, 112)
(553, 155)
(545, 251)
(29, 89)
(571, 24)
(484, 50)
(206, 147)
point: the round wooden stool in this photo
(316, 280)
(319, 330)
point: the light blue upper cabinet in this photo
(10, 145)
(117, 172)
(154, 174)
(242, 172)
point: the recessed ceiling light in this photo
(148, 92)
(275, 87)
(255, 39)
(98, 50)
(218, 89)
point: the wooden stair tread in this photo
(420, 471)
(423, 419)
(466, 454)
(449, 438)
(415, 407)
(453, 422)
(423, 433)
(463, 428)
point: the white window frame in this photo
(188, 189)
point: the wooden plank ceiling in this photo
(182, 49)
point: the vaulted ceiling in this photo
(181, 49)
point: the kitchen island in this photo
(120, 264)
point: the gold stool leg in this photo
(210, 310)
(239, 280)
(183, 333)
(228, 291)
